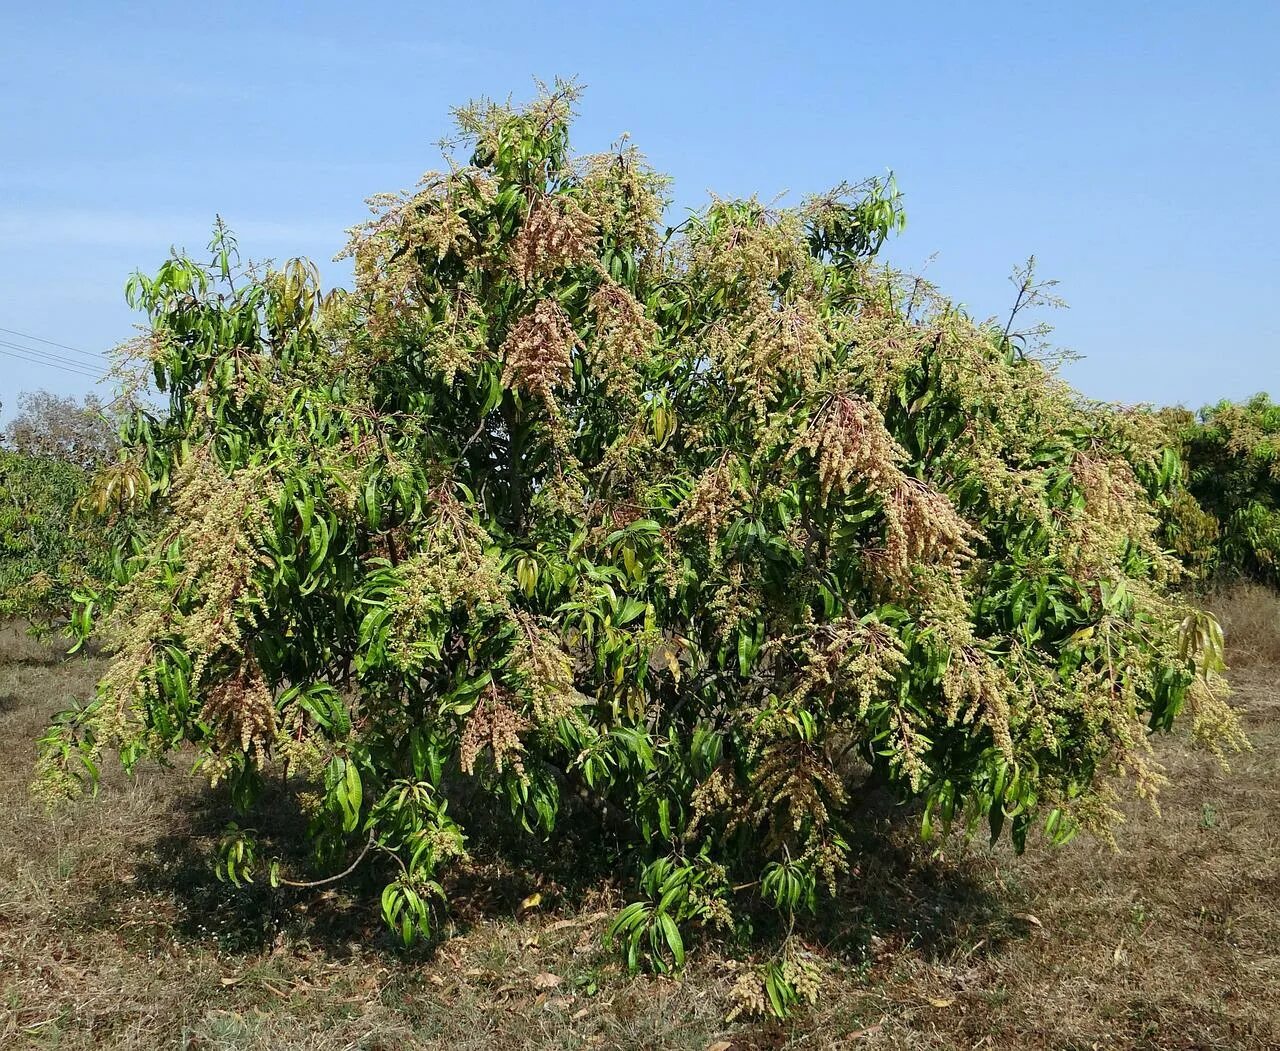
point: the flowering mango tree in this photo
(702, 529)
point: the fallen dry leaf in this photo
(546, 980)
(720, 1045)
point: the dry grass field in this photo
(114, 933)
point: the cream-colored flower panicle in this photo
(538, 350)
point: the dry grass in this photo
(114, 934)
(1250, 616)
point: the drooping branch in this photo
(306, 884)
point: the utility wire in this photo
(72, 366)
(51, 365)
(61, 358)
(51, 343)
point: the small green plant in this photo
(677, 894)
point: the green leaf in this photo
(672, 934)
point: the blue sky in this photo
(1133, 147)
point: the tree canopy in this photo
(1233, 453)
(49, 545)
(711, 526)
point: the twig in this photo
(479, 430)
(332, 879)
(1023, 289)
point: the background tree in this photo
(1233, 453)
(49, 425)
(60, 494)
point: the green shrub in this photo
(706, 527)
(1233, 455)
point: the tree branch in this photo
(331, 879)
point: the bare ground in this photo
(113, 932)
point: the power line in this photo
(61, 358)
(51, 343)
(52, 365)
